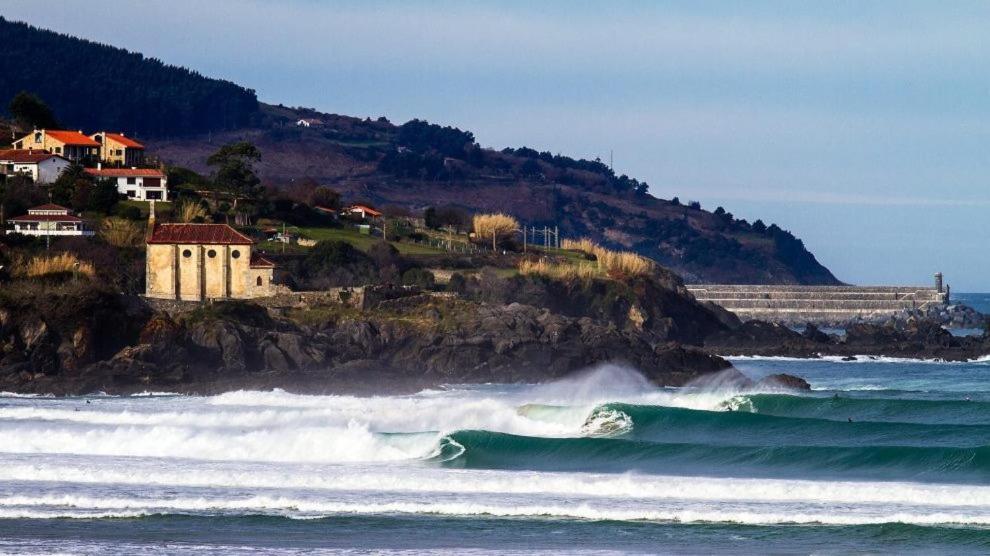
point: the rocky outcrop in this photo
(239, 346)
(916, 338)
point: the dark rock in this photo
(812, 333)
(782, 382)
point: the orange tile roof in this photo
(71, 138)
(125, 172)
(364, 208)
(212, 234)
(125, 141)
(25, 155)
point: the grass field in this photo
(364, 242)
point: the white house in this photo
(40, 166)
(309, 122)
(49, 220)
(140, 184)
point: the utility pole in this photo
(524, 236)
(611, 156)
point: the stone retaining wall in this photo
(823, 305)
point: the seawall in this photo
(821, 305)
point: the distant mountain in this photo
(416, 164)
(93, 86)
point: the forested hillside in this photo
(94, 86)
(184, 117)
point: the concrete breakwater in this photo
(821, 305)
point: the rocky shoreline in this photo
(914, 339)
(72, 338)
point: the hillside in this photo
(94, 86)
(184, 117)
(418, 165)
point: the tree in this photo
(31, 112)
(104, 196)
(430, 218)
(325, 197)
(234, 173)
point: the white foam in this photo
(306, 508)
(418, 479)
(857, 359)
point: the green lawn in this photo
(364, 242)
(162, 208)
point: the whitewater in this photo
(880, 456)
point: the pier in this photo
(823, 305)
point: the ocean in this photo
(882, 456)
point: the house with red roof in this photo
(72, 145)
(41, 166)
(363, 211)
(139, 184)
(119, 150)
(49, 220)
(197, 262)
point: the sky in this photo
(863, 127)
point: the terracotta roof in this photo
(125, 172)
(364, 208)
(46, 218)
(125, 141)
(257, 261)
(49, 206)
(212, 234)
(71, 138)
(25, 156)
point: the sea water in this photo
(888, 456)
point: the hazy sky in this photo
(863, 127)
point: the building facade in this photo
(139, 184)
(197, 262)
(49, 220)
(41, 166)
(72, 145)
(118, 150)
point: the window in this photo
(120, 152)
(131, 181)
(259, 280)
(58, 150)
(130, 194)
(235, 254)
(37, 136)
(187, 253)
(211, 254)
(153, 195)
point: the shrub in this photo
(191, 211)
(62, 263)
(418, 277)
(121, 232)
(614, 263)
(559, 271)
(494, 226)
(457, 283)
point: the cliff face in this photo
(85, 340)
